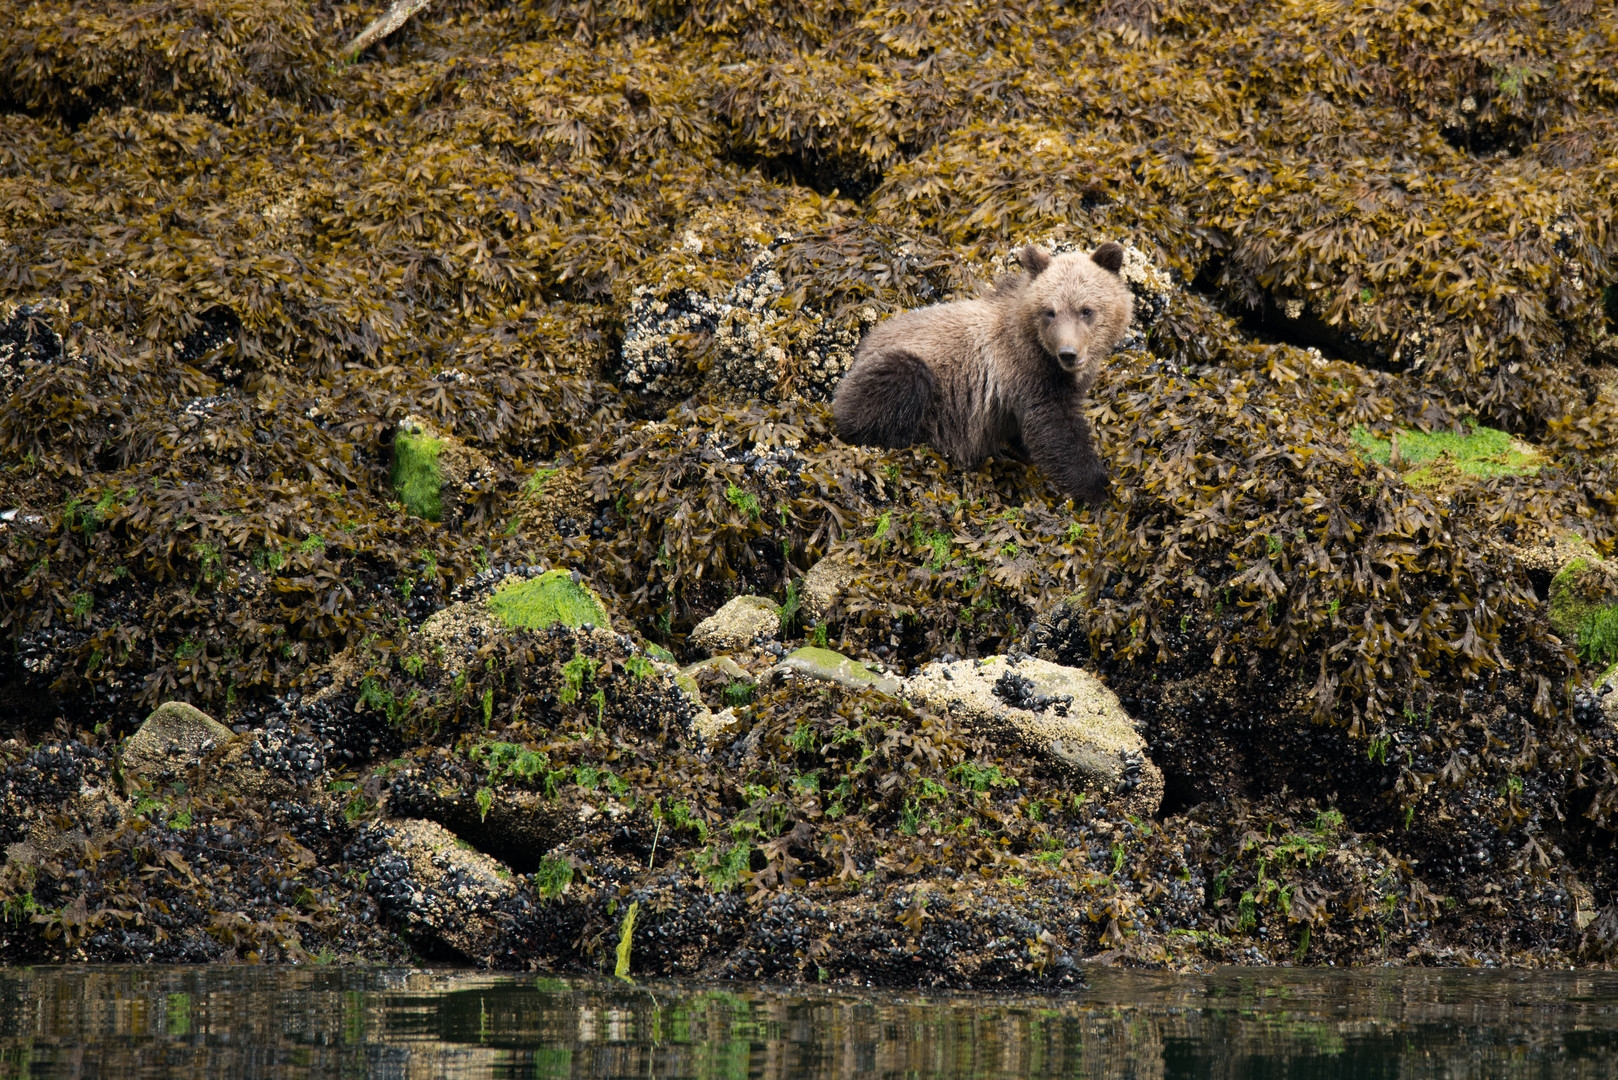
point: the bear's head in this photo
(1077, 305)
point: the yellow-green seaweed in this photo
(553, 597)
(416, 475)
(1481, 452)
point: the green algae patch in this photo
(416, 475)
(553, 597)
(1433, 457)
(825, 665)
(1584, 610)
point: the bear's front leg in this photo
(1057, 438)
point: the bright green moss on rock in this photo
(1431, 456)
(416, 476)
(826, 665)
(553, 597)
(1584, 609)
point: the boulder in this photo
(823, 584)
(433, 471)
(442, 890)
(716, 727)
(175, 737)
(706, 679)
(824, 665)
(1066, 715)
(713, 677)
(1548, 550)
(514, 826)
(737, 624)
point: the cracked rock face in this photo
(1066, 715)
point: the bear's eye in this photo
(1087, 313)
(1050, 313)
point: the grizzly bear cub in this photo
(1011, 368)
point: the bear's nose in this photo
(1068, 354)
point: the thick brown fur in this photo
(1013, 367)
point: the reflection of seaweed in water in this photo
(337, 1022)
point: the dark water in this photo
(242, 1023)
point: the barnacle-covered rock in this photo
(27, 340)
(511, 824)
(171, 740)
(742, 621)
(716, 728)
(1065, 715)
(443, 892)
(1544, 549)
(752, 344)
(38, 781)
(823, 585)
(276, 762)
(553, 502)
(436, 475)
(718, 679)
(653, 362)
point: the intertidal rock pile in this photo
(414, 417)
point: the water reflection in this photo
(316, 1022)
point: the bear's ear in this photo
(1034, 259)
(1109, 256)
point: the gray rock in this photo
(824, 665)
(175, 737)
(823, 584)
(735, 625)
(1065, 714)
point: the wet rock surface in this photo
(421, 443)
(1065, 715)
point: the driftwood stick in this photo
(383, 25)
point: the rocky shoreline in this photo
(423, 537)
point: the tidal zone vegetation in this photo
(597, 267)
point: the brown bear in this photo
(1011, 368)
